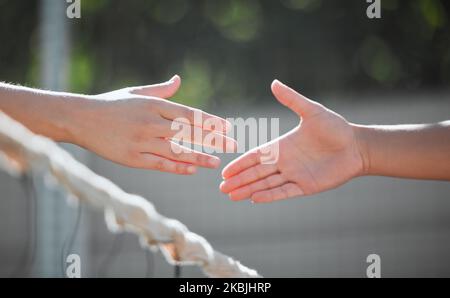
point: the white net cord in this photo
(22, 151)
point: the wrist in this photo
(72, 117)
(363, 140)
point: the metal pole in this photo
(55, 219)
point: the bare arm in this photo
(420, 151)
(130, 126)
(44, 112)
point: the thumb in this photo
(298, 103)
(163, 90)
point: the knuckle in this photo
(180, 168)
(253, 188)
(286, 190)
(160, 164)
(266, 182)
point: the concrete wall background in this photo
(406, 222)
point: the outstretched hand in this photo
(133, 127)
(321, 153)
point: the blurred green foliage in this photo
(230, 50)
(237, 20)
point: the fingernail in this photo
(191, 169)
(214, 162)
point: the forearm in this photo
(47, 113)
(419, 151)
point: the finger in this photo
(284, 191)
(184, 132)
(247, 176)
(246, 191)
(241, 163)
(298, 103)
(195, 117)
(176, 152)
(163, 90)
(154, 162)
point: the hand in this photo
(321, 153)
(133, 127)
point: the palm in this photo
(319, 154)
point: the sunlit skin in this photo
(130, 126)
(325, 151)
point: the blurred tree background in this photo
(229, 51)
